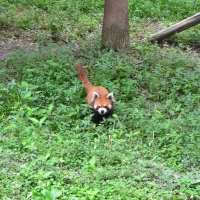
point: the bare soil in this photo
(13, 44)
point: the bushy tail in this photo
(83, 77)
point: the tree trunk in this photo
(115, 31)
(181, 26)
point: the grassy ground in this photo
(149, 149)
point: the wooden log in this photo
(178, 27)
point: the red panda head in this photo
(102, 103)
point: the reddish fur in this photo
(90, 89)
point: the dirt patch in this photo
(27, 41)
(13, 44)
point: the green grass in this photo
(75, 20)
(149, 149)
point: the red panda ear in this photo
(95, 95)
(111, 97)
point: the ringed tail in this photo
(83, 77)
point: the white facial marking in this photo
(109, 106)
(111, 97)
(102, 111)
(94, 96)
(96, 106)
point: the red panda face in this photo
(102, 109)
(103, 104)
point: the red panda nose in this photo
(102, 112)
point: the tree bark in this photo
(181, 26)
(115, 31)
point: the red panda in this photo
(98, 97)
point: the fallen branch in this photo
(178, 27)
